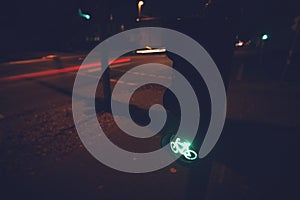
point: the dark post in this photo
(106, 78)
(106, 84)
(104, 25)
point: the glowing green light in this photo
(265, 37)
(183, 148)
(84, 15)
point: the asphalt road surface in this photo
(42, 157)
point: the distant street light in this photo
(84, 15)
(265, 37)
(140, 8)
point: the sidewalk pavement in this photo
(254, 159)
(265, 102)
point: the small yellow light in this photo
(141, 3)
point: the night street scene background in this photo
(256, 46)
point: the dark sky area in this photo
(21, 20)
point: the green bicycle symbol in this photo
(183, 148)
